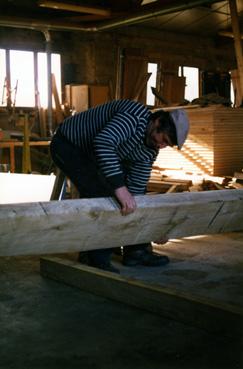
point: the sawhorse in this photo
(60, 186)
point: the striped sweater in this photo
(115, 131)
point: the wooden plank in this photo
(171, 303)
(77, 97)
(98, 95)
(173, 188)
(58, 185)
(59, 112)
(26, 158)
(42, 120)
(84, 224)
(140, 86)
(173, 88)
(220, 130)
(238, 175)
(164, 186)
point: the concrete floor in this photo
(48, 325)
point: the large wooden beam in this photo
(220, 318)
(74, 225)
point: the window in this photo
(152, 68)
(22, 77)
(42, 76)
(3, 76)
(232, 92)
(192, 81)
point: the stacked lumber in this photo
(160, 183)
(167, 181)
(220, 129)
(214, 146)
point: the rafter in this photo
(74, 8)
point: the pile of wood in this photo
(163, 181)
(214, 145)
(216, 135)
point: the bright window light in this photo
(42, 76)
(22, 85)
(22, 78)
(56, 70)
(192, 82)
(232, 92)
(150, 98)
(2, 77)
(42, 79)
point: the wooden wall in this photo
(100, 59)
(93, 58)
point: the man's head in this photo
(167, 129)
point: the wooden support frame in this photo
(11, 146)
(84, 224)
(180, 306)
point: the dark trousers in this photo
(85, 174)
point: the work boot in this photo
(85, 258)
(144, 257)
(108, 267)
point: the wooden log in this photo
(85, 224)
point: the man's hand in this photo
(126, 200)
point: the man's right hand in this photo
(126, 200)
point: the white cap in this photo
(181, 122)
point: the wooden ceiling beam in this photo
(83, 18)
(228, 34)
(74, 8)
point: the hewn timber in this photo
(84, 224)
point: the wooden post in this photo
(59, 112)
(26, 162)
(58, 185)
(237, 40)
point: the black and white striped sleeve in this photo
(119, 130)
(138, 177)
